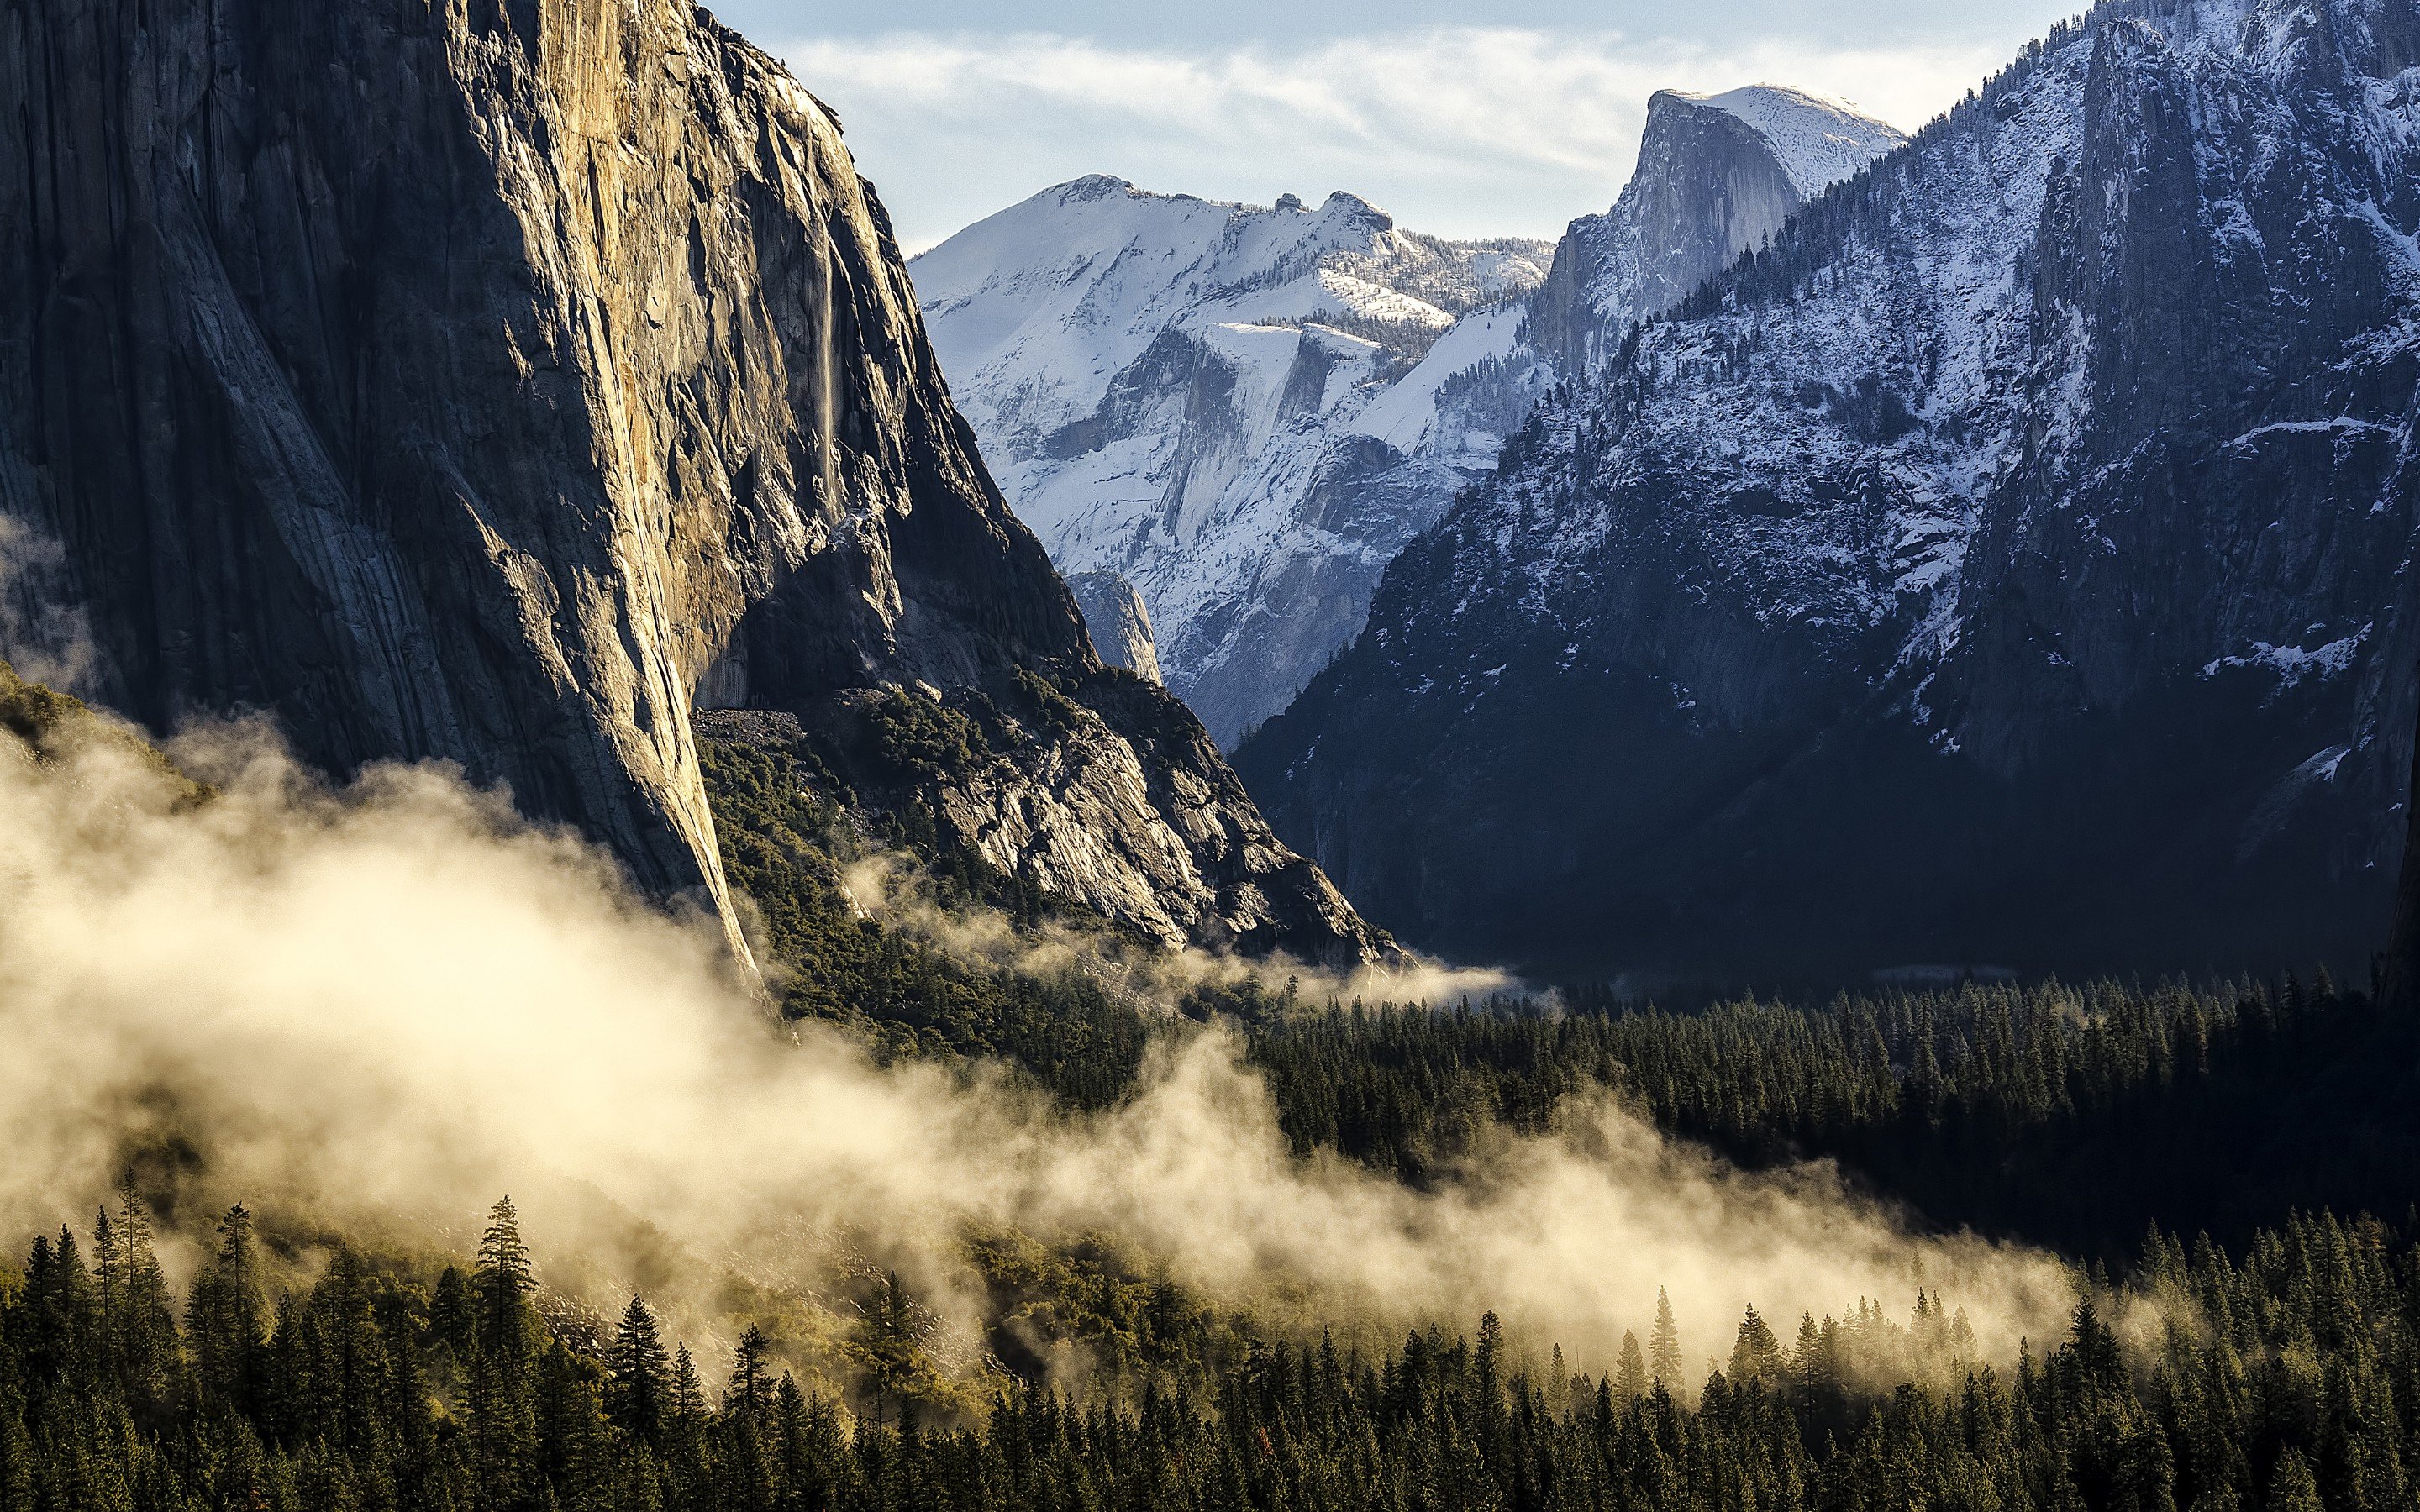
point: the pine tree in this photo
(688, 1395)
(2291, 1486)
(1756, 1355)
(225, 1317)
(1810, 1365)
(887, 1341)
(744, 1455)
(574, 1449)
(1492, 1428)
(750, 1391)
(806, 1447)
(141, 1322)
(453, 1316)
(641, 1383)
(1664, 1345)
(1631, 1380)
(108, 1274)
(503, 1285)
(504, 1396)
(685, 1433)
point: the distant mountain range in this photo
(2009, 565)
(1247, 412)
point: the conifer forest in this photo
(1717, 814)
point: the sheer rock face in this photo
(494, 382)
(1716, 175)
(2011, 567)
(1120, 623)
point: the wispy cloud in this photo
(1462, 131)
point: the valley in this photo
(1189, 854)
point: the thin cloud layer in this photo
(1462, 131)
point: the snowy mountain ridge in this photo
(1167, 389)
(2039, 495)
(1818, 141)
(1246, 413)
(1037, 310)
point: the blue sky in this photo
(1467, 119)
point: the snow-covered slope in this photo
(1167, 388)
(1038, 309)
(1246, 412)
(2002, 567)
(1815, 141)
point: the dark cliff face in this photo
(2398, 980)
(2007, 568)
(492, 381)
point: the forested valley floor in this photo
(2294, 1388)
(2246, 1334)
(2072, 1116)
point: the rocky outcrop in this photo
(1106, 793)
(2009, 566)
(496, 382)
(1120, 622)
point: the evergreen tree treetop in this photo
(1664, 1363)
(503, 1284)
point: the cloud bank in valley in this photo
(1459, 130)
(395, 1001)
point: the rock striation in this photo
(500, 381)
(2009, 565)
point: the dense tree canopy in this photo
(2283, 1379)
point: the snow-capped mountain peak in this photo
(1036, 310)
(1167, 389)
(1716, 175)
(1818, 141)
(1245, 411)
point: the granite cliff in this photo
(1716, 177)
(1120, 622)
(498, 381)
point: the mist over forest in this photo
(1196, 854)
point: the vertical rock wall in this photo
(482, 379)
